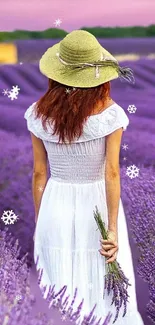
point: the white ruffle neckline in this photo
(96, 126)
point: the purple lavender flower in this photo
(115, 279)
(140, 208)
(16, 299)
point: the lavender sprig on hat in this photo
(115, 279)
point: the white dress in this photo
(67, 239)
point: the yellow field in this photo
(8, 53)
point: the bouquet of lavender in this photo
(16, 298)
(115, 280)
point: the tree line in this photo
(100, 32)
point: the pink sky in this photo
(40, 15)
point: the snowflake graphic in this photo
(9, 217)
(18, 297)
(124, 158)
(57, 22)
(5, 92)
(132, 109)
(40, 188)
(74, 88)
(12, 95)
(15, 89)
(63, 317)
(132, 171)
(125, 146)
(67, 91)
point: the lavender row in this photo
(139, 198)
(30, 80)
(33, 49)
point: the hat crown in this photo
(80, 46)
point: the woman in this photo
(77, 128)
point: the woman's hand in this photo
(109, 248)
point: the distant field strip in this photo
(134, 57)
(8, 53)
(30, 51)
(28, 77)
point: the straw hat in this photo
(79, 60)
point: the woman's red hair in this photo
(69, 111)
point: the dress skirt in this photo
(67, 243)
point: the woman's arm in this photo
(39, 178)
(109, 247)
(112, 177)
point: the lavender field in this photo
(31, 50)
(138, 194)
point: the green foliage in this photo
(26, 34)
(53, 33)
(100, 32)
(116, 32)
(150, 30)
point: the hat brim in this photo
(51, 67)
